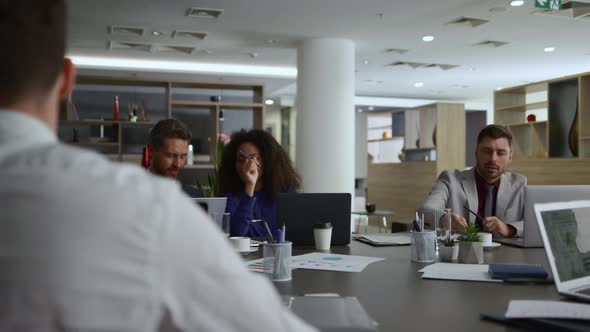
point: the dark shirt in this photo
(481, 196)
(243, 209)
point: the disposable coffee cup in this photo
(486, 238)
(322, 234)
(240, 243)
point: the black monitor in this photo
(299, 212)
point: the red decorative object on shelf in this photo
(531, 118)
(116, 110)
(145, 157)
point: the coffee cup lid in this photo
(322, 225)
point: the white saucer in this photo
(492, 245)
(248, 251)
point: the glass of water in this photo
(443, 224)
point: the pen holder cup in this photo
(277, 261)
(423, 246)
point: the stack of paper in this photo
(450, 271)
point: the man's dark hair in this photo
(495, 131)
(33, 39)
(278, 172)
(169, 128)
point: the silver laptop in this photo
(212, 205)
(543, 194)
(565, 229)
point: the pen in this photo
(272, 240)
(280, 236)
(244, 154)
(284, 233)
(416, 226)
(475, 214)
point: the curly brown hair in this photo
(279, 174)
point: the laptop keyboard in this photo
(585, 291)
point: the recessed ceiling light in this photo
(269, 102)
(371, 108)
(499, 88)
(428, 38)
(157, 33)
(549, 49)
(516, 3)
(418, 84)
(366, 62)
(359, 110)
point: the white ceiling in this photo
(374, 25)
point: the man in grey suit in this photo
(496, 195)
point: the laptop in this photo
(542, 194)
(565, 229)
(211, 205)
(300, 211)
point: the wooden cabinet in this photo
(556, 104)
(203, 106)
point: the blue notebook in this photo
(517, 271)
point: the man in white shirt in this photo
(88, 245)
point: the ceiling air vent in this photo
(413, 65)
(470, 21)
(490, 43)
(189, 34)
(204, 12)
(175, 49)
(122, 30)
(117, 45)
(396, 50)
(570, 9)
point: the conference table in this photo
(394, 294)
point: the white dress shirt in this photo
(90, 245)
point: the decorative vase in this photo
(448, 254)
(434, 136)
(573, 135)
(471, 252)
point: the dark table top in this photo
(394, 294)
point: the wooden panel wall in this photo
(400, 187)
(450, 137)
(553, 171)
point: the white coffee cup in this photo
(322, 234)
(241, 243)
(486, 238)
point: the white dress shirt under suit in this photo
(90, 245)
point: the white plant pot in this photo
(448, 254)
(471, 252)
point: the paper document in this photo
(385, 239)
(332, 262)
(450, 271)
(547, 309)
(257, 265)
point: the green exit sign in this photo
(548, 4)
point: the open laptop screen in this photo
(568, 234)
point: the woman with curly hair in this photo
(254, 170)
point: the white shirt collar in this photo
(22, 128)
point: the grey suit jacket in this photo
(455, 189)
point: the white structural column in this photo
(325, 155)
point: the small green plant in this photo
(469, 234)
(448, 241)
(213, 178)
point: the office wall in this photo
(553, 171)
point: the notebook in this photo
(565, 229)
(384, 240)
(517, 271)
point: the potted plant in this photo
(470, 246)
(212, 189)
(448, 249)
